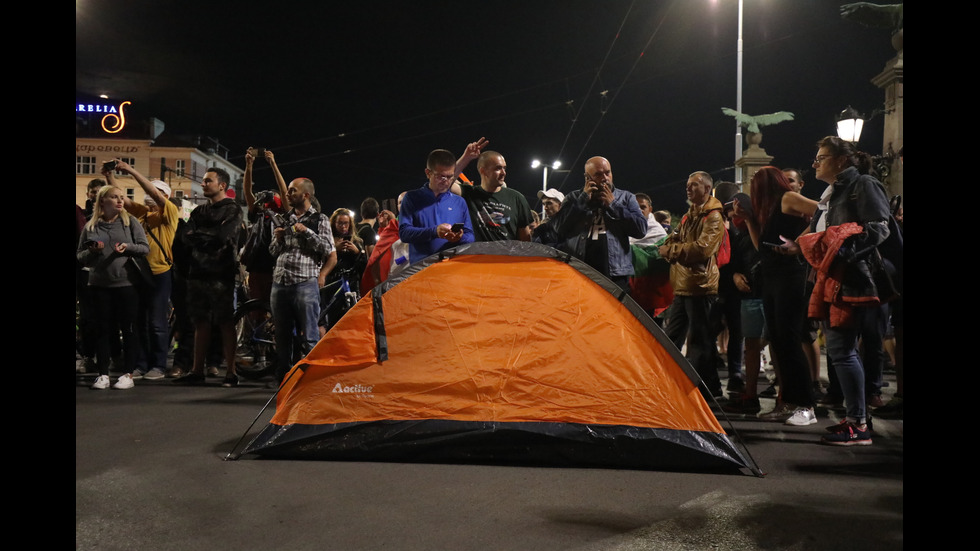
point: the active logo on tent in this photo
(355, 389)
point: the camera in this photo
(258, 152)
(108, 166)
(266, 196)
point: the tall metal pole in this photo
(738, 99)
(544, 187)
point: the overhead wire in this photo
(595, 79)
(604, 95)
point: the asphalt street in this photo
(151, 472)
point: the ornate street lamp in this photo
(849, 125)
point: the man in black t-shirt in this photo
(498, 213)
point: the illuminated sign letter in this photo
(117, 121)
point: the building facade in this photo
(179, 161)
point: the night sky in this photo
(355, 94)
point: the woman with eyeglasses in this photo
(777, 217)
(855, 197)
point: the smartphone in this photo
(458, 226)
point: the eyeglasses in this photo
(817, 160)
(441, 177)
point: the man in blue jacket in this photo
(596, 222)
(431, 218)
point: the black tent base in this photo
(527, 443)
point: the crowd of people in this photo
(762, 266)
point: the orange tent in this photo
(500, 352)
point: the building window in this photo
(180, 165)
(131, 193)
(194, 170)
(179, 194)
(85, 165)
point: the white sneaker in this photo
(154, 374)
(125, 382)
(101, 383)
(802, 417)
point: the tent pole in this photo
(232, 456)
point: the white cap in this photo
(553, 193)
(162, 186)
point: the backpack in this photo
(724, 254)
(256, 249)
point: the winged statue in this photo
(752, 124)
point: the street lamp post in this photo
(738, 98)
(544, 177)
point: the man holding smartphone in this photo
(432, 218)
(596, 222)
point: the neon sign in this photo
(120, 119)
(114, 119)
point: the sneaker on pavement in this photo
(137, 375)
(101, 382)
(231, 380)
(780, 413)
(213, 371)
(176, 372)
(190, 379)
(838, 426)
(125, 382)
(848, 434)
(802, 417)
(154, 374)
(874, 401)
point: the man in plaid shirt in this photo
(301, 242)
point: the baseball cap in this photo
(162, 186)
(552, 193)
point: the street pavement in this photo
(152, 472)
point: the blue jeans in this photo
(158, 321)
(295, 309)
(842, 350)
